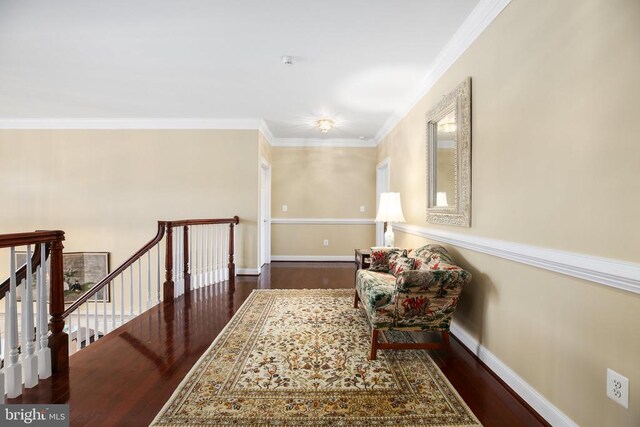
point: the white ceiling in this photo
(357, 61)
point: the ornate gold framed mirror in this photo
(449, 158)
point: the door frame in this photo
(383, 185)
(264, 214)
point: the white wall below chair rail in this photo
(605, 271)
(339, 221)
(546, 409)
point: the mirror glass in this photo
(445, 161)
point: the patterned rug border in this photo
(238, 314)
(202, 358)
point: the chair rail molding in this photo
(605, 271)
(322, 221)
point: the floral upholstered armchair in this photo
(410, 290)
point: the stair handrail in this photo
(163, 227)
(21, 273)
(122, 267)
(57, 340)
(168, 288)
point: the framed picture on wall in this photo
(81, 271)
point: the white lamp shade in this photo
(390, 209)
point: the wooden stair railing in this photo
(21, 273)
(35, 345)
(188, 263)
(196, 252)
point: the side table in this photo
(363, 260)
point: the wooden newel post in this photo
(58, 340)
(232, 266)
(187, 275)
(168, 265)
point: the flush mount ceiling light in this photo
(325, 125)
(287, 60)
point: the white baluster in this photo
(95, 317)
(223, 261)
(221, 230)
(139, 285)
(225, 252)
(130, 291)
(121, 298)
(149, 279)
(206, 255)
(159, 274)
(214, 255)
(113, 305)
(105, 325)
(87, 331)
(81, 332)
(193, 261)
(13, 369)
(42, 324)
(29, 358)
(199, 251)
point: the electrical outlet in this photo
(361, 208)
(326, 242)
(285, 208)
(618, 388)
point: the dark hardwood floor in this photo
(127, 376)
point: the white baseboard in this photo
(247, 271)
(326, 258)
(546, 409)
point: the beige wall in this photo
(555, 107)
(107, 188)
(318, 182)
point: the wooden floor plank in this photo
(127, 376)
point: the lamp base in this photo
(389, 238)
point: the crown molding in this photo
(477, 21)
(319, 142)
(264, 128)
(133, 123)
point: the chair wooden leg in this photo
(355, 300)
(445, 341)
(374, 344)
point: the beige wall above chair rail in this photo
(555, 102)
(322, 182)
(107, 188)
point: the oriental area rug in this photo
(300, 358)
